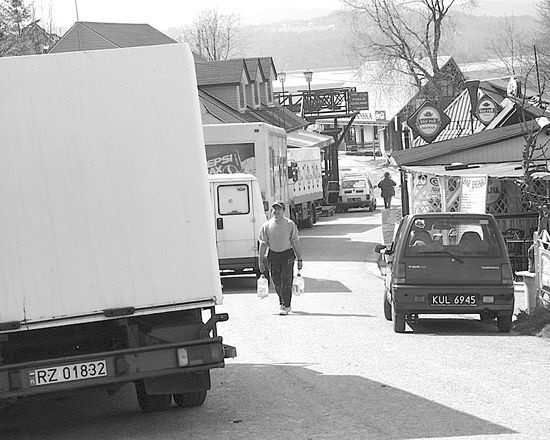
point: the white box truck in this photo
(252, 148)
(305, 184)
(238, 215)
(108, 261)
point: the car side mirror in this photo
(379, 248)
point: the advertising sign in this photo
(230, 159)
(473, 195)
(494, 190)
(486, 110)
(428, 121)
(359, 100)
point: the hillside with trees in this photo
(325, 42)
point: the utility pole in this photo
(76, 8)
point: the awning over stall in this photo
(306, 138)
(496, 170)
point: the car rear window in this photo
(455, 236)
(347, 184)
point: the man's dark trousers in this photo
(281, 266)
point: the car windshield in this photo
(467, 236)
(358, 183)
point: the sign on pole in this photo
(428, 121)
(358, 101)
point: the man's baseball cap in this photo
(279, 203)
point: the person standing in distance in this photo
(279, 239)
(386, 185)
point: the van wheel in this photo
(151, 402)
(194, 398)
(387, 308)
(504, 323)
(398, 321)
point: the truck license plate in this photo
(67, 373)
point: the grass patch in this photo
(536, 323)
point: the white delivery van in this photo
(239, 214)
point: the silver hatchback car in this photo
(448, 263)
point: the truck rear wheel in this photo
(194, 398)
(151, 402)
(310, 220)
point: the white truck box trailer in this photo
(108, 261)
(252, 148)
(238, 215)
(305, 184)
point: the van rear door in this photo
(235, 228)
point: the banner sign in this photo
(473, 196)
(428, 121)
(358, 100)
(494, 190)
(230, 158)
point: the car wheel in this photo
(194, 398)
(504, 323)
(398, 321)
(387, 309)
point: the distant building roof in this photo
(88, 35)
(221, 72)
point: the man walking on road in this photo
(279, 235)
(386, 185)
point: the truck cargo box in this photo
(104, 192)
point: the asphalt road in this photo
(332, 369)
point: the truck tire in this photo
(504, 323)
(194, 398)
(398, 321)
(310, 220)
(150, 402)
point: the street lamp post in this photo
(308, 75)
(282, 78)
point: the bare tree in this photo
(512, 47)
(214, 36)
(405, 35)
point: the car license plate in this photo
(67, 373)
(453, 300)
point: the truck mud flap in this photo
(114, 367)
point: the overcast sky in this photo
(163, 14)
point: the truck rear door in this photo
(233, 210)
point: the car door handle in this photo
(219, 223)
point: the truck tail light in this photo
(506, 274)
(400, 274)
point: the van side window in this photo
(233, 199)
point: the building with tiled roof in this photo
(87, 35)
(230, 91)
